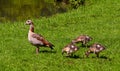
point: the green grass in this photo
(99, 20)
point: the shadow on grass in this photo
(46, 51)
(85, 46)
(74, 57)
(103, 57)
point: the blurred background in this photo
(17, 10)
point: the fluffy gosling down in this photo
(37, 39)
(96, 49)
(69, 49)
(84, 39)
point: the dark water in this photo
(17, 10)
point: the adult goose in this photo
(37, 39)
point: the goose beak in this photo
(26, 24)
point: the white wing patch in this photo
(98, 45)
(72, 46)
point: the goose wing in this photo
(42, 40)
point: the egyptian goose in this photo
(69, 49)
(36, 39)
(83, 39)
(95, 48)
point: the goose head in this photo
(29, 22)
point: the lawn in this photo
(100, 20)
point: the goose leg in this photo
(97, 54)
(84, 43)
(37, 50)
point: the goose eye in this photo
(28, 21)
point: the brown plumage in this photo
(84, 39)
(69, 49)
(36, 39)
(95, 48)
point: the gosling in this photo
(69, 49)
(96, 49)
(84, 39)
